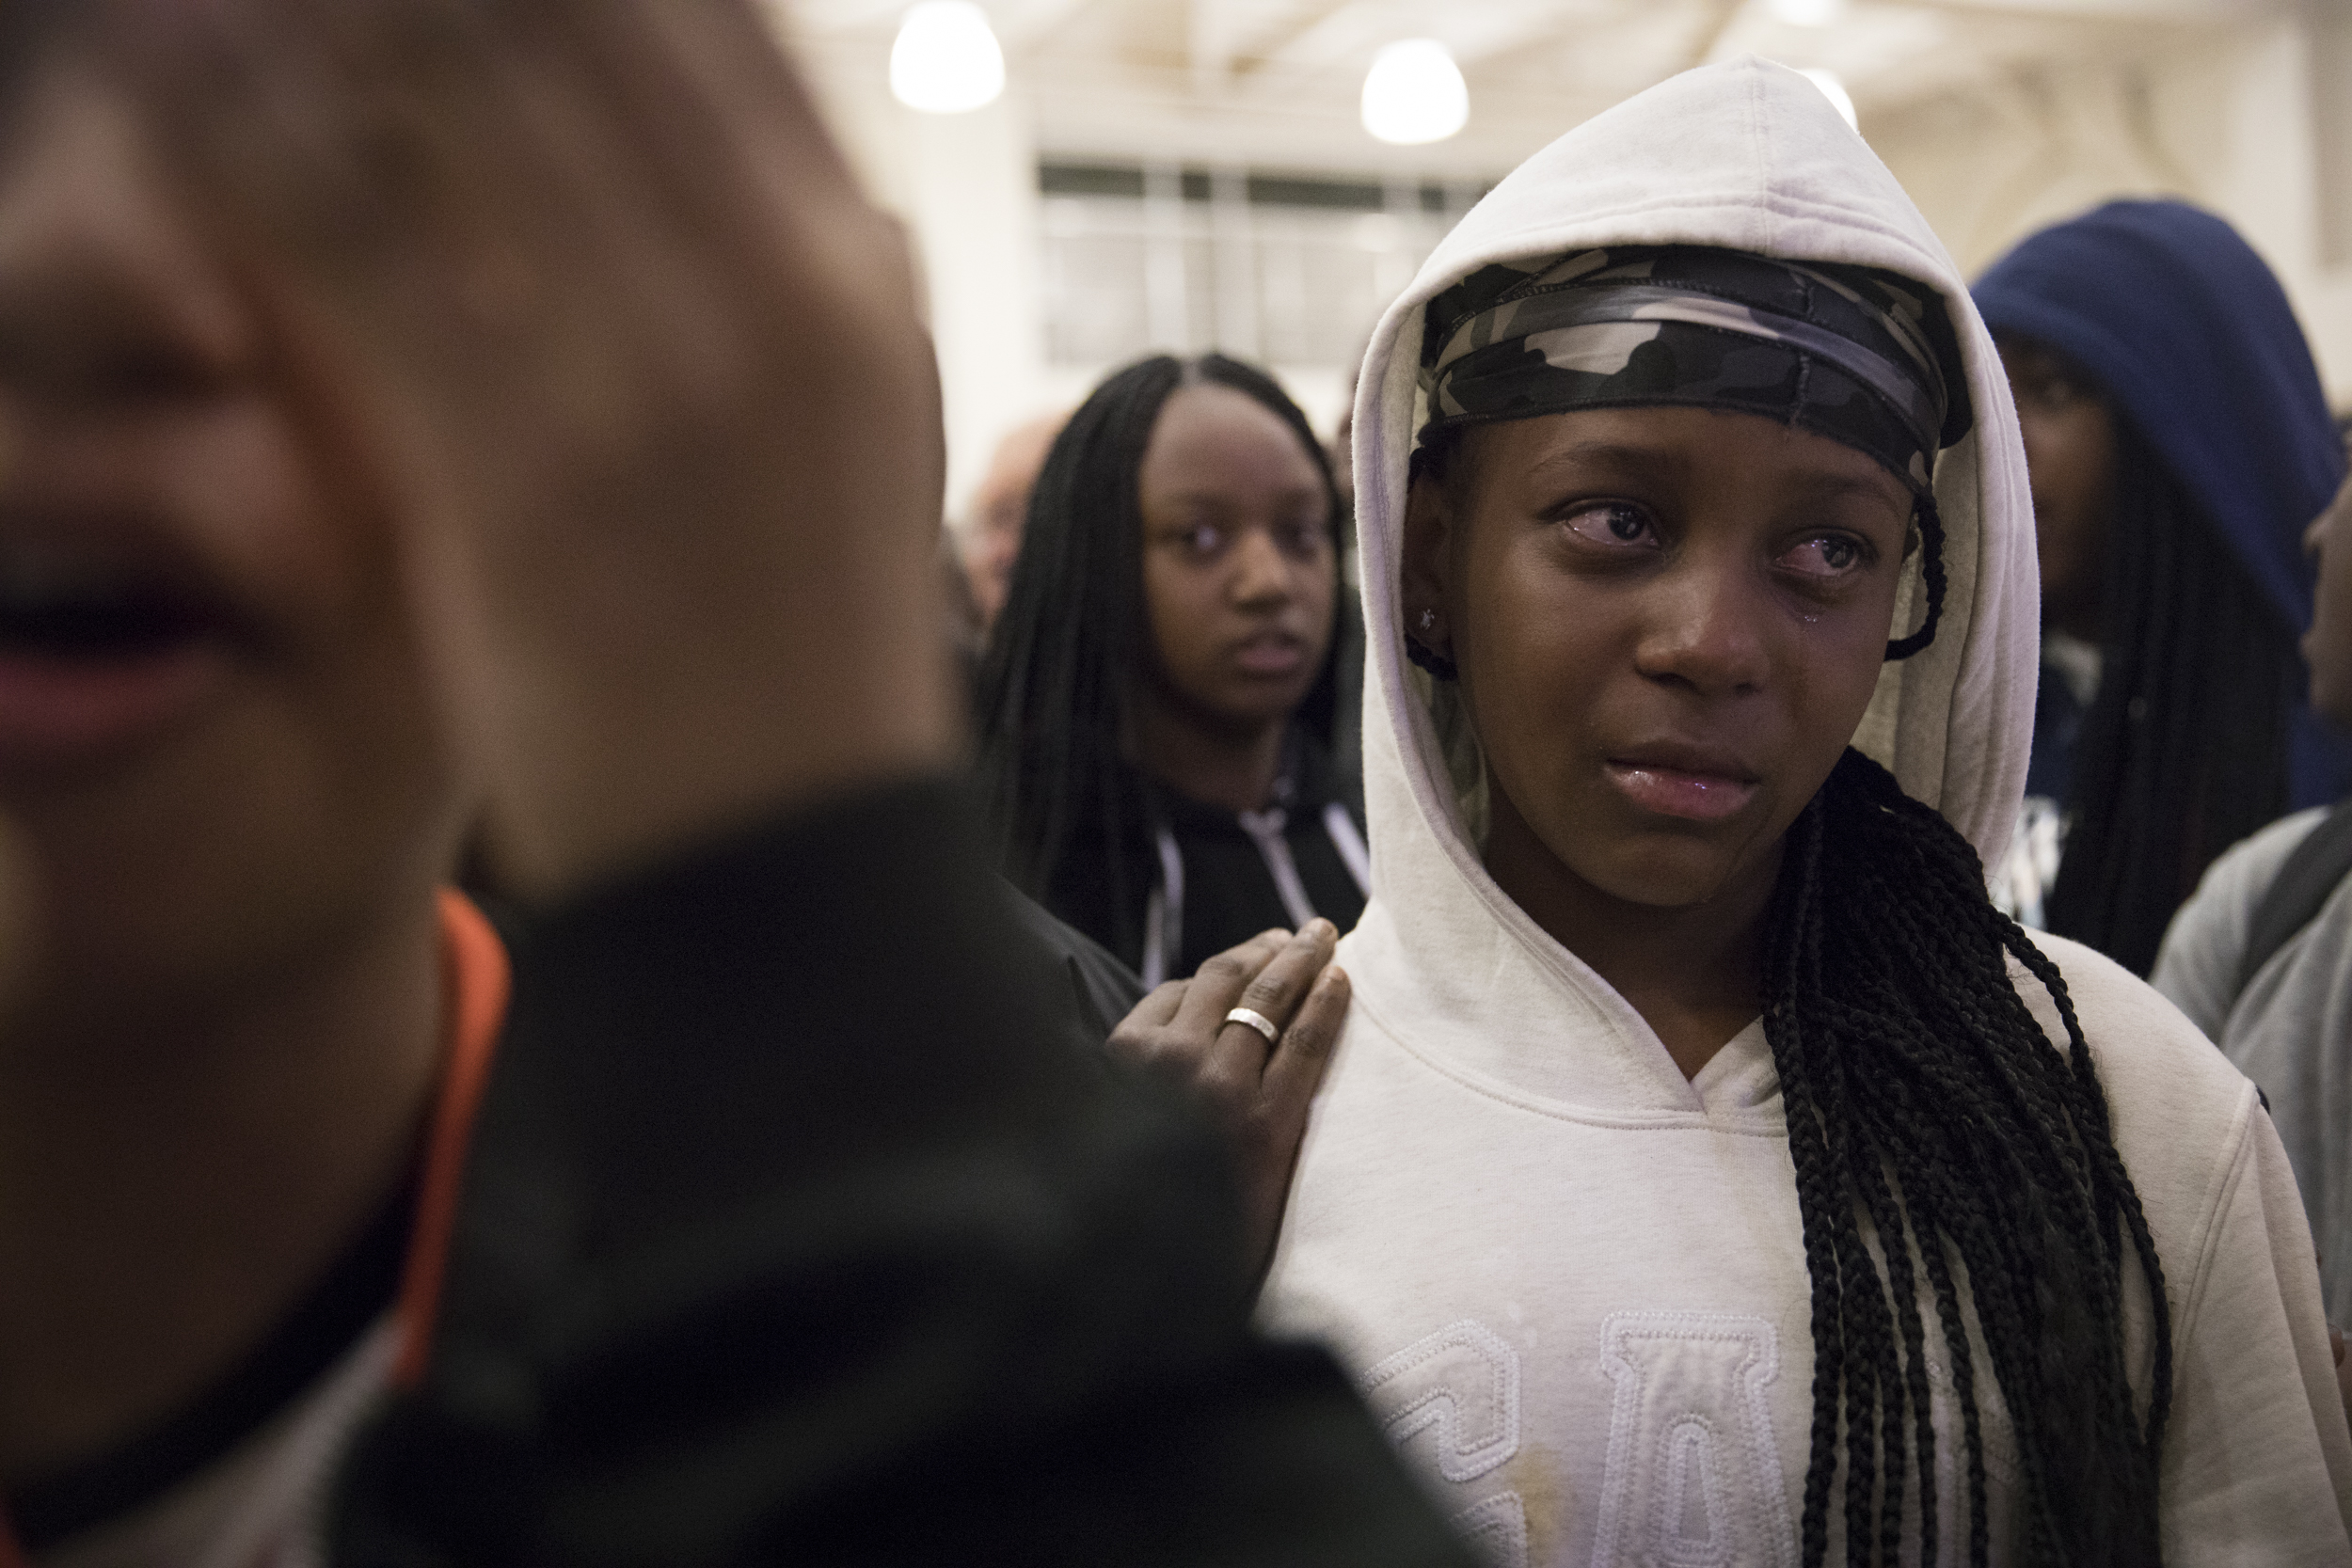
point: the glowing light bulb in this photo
(1414, 92)
(1806, 13)
(1834, 90)
(945, 59)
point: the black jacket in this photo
(806, 1222)
(1224, 877)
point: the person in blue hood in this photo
(2179, 443)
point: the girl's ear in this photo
(1423, 571)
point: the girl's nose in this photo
(1705, 628)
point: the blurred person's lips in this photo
(98, 649)
(1699, 783)
(1271, 652)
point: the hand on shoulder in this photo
(1258, 1074)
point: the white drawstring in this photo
(1265, 829)
(1164, 916)
(1350, 843)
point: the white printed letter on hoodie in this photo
(1569, 1281)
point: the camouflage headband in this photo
(1859, 356)
(1862, 357)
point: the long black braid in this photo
(1923, 1097)
(2184, 751)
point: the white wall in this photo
(965, 185)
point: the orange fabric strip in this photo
(480, 981)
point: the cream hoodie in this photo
(1570, 1280)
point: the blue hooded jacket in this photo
(2190, 333)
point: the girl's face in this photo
(1239, 573)
(237, 760)
(1668, 623)
(2070, 462)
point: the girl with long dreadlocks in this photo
(2178, 443)
(1708, 1173)
(1158, 700)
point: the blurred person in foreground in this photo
(423, 414)
(2179, 443)
(999, 510)
(1159, 700)
(2261, 958)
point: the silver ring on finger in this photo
(1257, 1020)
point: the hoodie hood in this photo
(2187, 329)
(2191, 334)
(1745, 156)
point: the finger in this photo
(734, 61)
(1216, 984)
(1300, 1060)
(1242, 1049)
(1278, 988)
(1276, 1126)
(1158, 1009)
(1132, 1038)
(337, 130)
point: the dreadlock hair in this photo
(1939, 1140)
(1074, 638)
(1922, 1095)
(2183, 750)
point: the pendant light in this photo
(1414, 93)
(945, 60)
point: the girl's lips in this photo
(57, 710)
(1270, 656)
(1673, 792)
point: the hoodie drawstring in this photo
(1265, 829)
(1354, 854)
(1164, 916)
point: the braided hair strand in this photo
(1936, 1131)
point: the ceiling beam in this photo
(1344, 35)
(1300, 31)
(2124, 12)
(1210, 29)
(1023, 24)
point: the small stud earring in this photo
(1428, 619)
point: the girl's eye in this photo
(1615, 524)
(2053, 392)
(1298, 540)
(1830, 555)
(1205, 539)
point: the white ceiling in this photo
(1274, 83)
